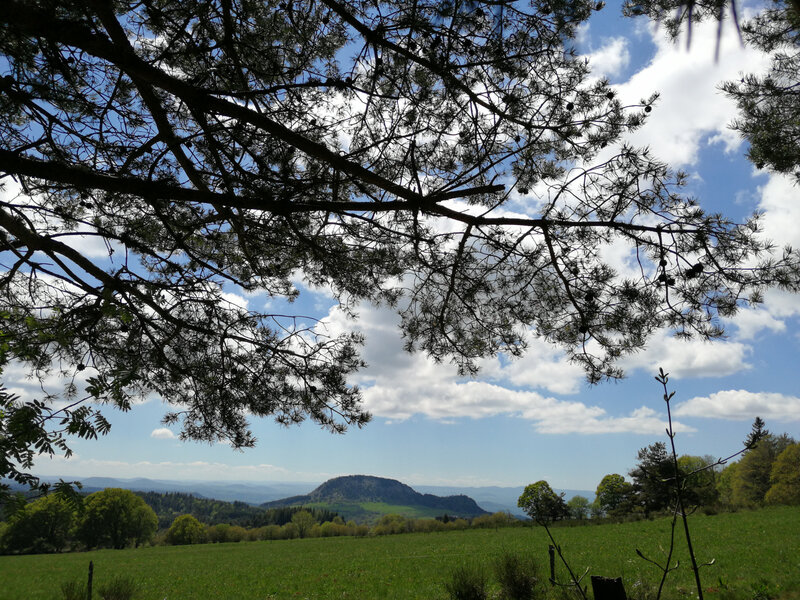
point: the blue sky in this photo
(535, 418)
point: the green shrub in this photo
(73, 590)
(517, 576)
(468, 582)
(119, 588)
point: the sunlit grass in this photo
(754, 551)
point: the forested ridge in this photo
(365, 488)
(170, 505)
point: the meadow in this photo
(757, 557)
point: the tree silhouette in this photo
(451, 159)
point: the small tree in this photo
(304, 521)
(116, 518)
(613, 494)
(653, 478)
(578, 507)
(185, 529)
(542, 504)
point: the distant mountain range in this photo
(252, 493)
(489, 498)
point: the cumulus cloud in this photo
(542, 366)
(397, 385)
(741, 405)
(689, 358)
(163, 433)
(236, 300)
(749, 323)
(691, 110)
(643, 420)
(611, 59)
(781, 211)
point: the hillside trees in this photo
(304, 521)
(768, 472)
(44, 525)
(785, 477)
(752, 481)
(116, 518)
(699, 480)
(452, 160)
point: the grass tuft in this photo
(119, 588)
(517, 576)
(468, 582)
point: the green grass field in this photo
(757, 557)
(370, 512)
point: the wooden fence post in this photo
(89, 583)
(552, 551)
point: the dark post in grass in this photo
(89, 583)
(608, 588)
(552, 552)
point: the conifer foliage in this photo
(451, 159)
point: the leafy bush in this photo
(119, 588)
(468, 582)
(517, 576)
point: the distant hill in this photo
(495, 498)
(492, 499)
(365, 498)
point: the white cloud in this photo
(610, 59)
(781, 211)
(236, 300)
(691, 108)
(163, 434)
(448, 400)
(751, 322)
(689, 358)
(741, 405)
(397, 385)
(643, 420)
(542, 366)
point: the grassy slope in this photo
(748, 546)
(370, 512)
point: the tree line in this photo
(767, 473)
(170, 505)
(117, 518)
(111, 518)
